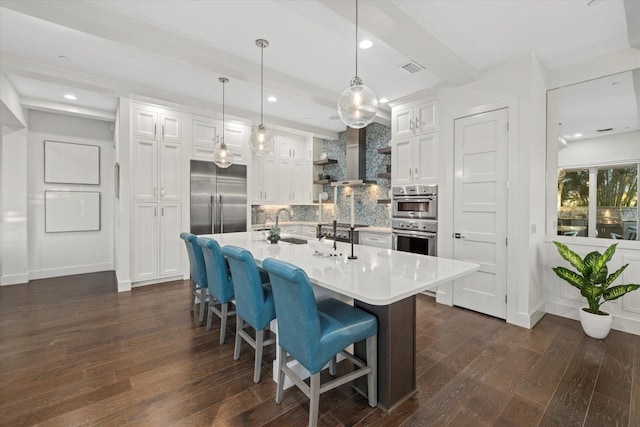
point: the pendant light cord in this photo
(223, 144)
(356, 38)
(261, 81)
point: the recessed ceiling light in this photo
(64, 58)
(365, 44)
(70, 97)
(383, 100)
(615, 83)
(272, 99)
(577, 135)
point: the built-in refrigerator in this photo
(218, 198)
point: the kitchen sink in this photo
(294, 240)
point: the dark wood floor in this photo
(74, 352)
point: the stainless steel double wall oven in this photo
(414, 220)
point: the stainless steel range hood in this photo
(356, 159)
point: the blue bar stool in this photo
(219, 282)
(315, 332)
(198, 272)
(254, 303)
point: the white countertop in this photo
(377, 277)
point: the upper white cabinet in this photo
(414, 160)
(161, 126)
(414, 119)
(205, 133)
(414, 143)
(285, 176)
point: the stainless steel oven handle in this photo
(418, 234)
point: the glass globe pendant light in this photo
(358, 105)
(222, 156)
(261, 140)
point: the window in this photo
(599, 202)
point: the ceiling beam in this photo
(70, 110)
(390, 24)
(92, 19)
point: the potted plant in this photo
(274, 235)
(594, 281)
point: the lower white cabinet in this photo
(379, 240)
(156, 246)
(290, 229)
(309, 231)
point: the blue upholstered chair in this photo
(198, 272)
(315, 332)
(254, 303)
(219, 282)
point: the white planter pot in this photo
(596, 325)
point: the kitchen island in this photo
(381, 281)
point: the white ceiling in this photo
(175, 50)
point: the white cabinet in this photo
(414, 119)
(379, 240)
(157, 248)
(205, 133)
(414, 143)
(156, 162)
(414, 159)
(264, 185)
(153, 124)
(290, 229)
(309, 231)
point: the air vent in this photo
(604, 130)
(412, 67)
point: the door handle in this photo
(459, 236)
(221, 215)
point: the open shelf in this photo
(384, 201)
(325, 162)
(384, 175)
(323, 181)
(384, 150)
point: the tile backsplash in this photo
(367, 209)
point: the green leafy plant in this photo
(274, 232)
(593, 279)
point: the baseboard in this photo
(156, 281)
(14, 279)
(124, 286)
(620, 322)
(70, 271)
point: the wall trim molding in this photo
(14, 279)
(69, 271)
(620, 322)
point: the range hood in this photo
(356, 159)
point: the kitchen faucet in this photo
(278, 215)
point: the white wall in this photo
(605, 150)
(560, 297)
(60, 254)
(518, 85)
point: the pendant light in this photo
(261, 140)
(358, 105)
(222, 156)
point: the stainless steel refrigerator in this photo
(218, 198)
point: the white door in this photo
(171, 247)
(283, 179)
(145, 168)
(402, 161)
(170, 167)
(145, 241)
(425, 158)
(145, 123)
(426, 117)
(269, 179)
(170, 127)
(401, 122)
(480, 210)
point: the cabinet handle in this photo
(294, 152)
(162, 131)
(411, 125)
(155, 211)
(155, 127)
(289, 152)
(155, 191)
(162, 191)
(416, 174)
(409, 172)
(417, 121)
(162, 211)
